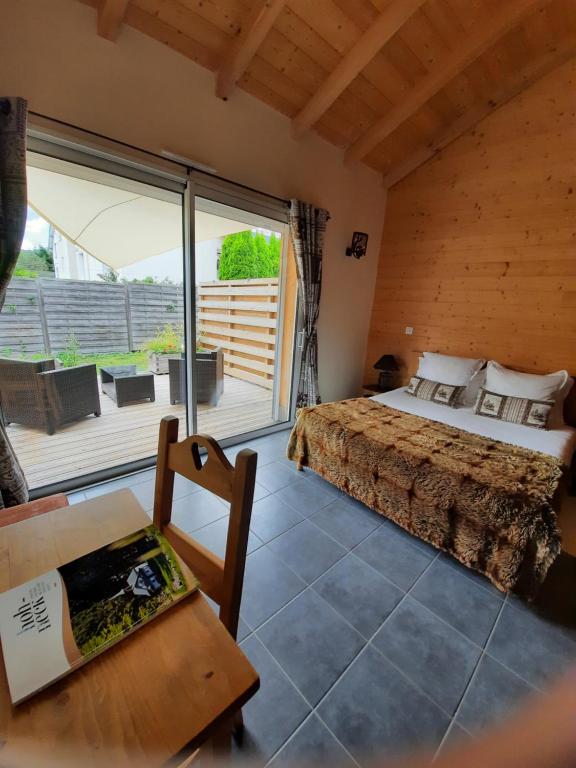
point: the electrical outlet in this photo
(409, 331)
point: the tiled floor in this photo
(367, 641)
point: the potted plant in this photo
(166, 344)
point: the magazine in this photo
(56, 622)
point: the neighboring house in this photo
(72, 263)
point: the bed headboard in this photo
(411, 366)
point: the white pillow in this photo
(456, 371)
(552, 386)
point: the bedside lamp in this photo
(387, 366)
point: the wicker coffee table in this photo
(124, 385)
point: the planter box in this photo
(158, 363)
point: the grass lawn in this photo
(139, 359)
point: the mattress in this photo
(559, 443)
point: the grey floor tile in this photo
(420, 544)
(312, 743)
(349, 524)
(268, 585)
(260, 492)
(197, 510)
(359, 593)
(274, 712)
(127, 481)
(275, 476)
(184, 487)
(535, 648)
(144, 492)
(76, 497)
(306, 498)
(375, 712)
(430, 652)
(307, 550)
(455, 736)
(394, 556)
(243, 631)
(271, 517)
(312, 643)
(323, 484)
(493, 693)
(458, 600)
(214, 536)
(243, 628)
(475, 576)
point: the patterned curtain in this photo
(13, 489)
(307, 228)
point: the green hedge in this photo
(248, 255)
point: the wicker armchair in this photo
(209, 377)
(34, 393)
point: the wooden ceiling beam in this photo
(245, 45)
(359, 56)
(483, 37)
(512, 86)
(110, 17)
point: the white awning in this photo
(118, 221)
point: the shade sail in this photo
(118, 225)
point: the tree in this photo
(108, 277)
(246, 255)
(45, 254)
(238, 258)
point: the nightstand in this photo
(369, 390)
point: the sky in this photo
(36, 231)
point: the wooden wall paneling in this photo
(479, 243)
(510, 87)
(468, 51)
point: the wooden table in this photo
(152, 698)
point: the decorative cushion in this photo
(448, 369)
(518, 410)
(426, 389)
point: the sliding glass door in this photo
(137, 295)
(244, 320)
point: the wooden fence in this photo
(238, 315)
(42, 315)
(241, 317)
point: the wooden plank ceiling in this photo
(391, 82)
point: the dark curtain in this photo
(307, 228)
(13, 489)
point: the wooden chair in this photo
(221, 580)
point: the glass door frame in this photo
(66, 142)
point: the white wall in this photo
(141, 92)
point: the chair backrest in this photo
(220, 580)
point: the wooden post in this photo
(128, 317)
(42, 314)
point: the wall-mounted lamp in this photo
(359, 245)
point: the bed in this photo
(484, 491)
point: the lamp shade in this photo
(386, 363)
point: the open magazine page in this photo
(58, 621)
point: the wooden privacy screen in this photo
(479, 245)
(241, 317)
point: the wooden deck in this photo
(126, 434)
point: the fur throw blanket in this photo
(488, 503)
